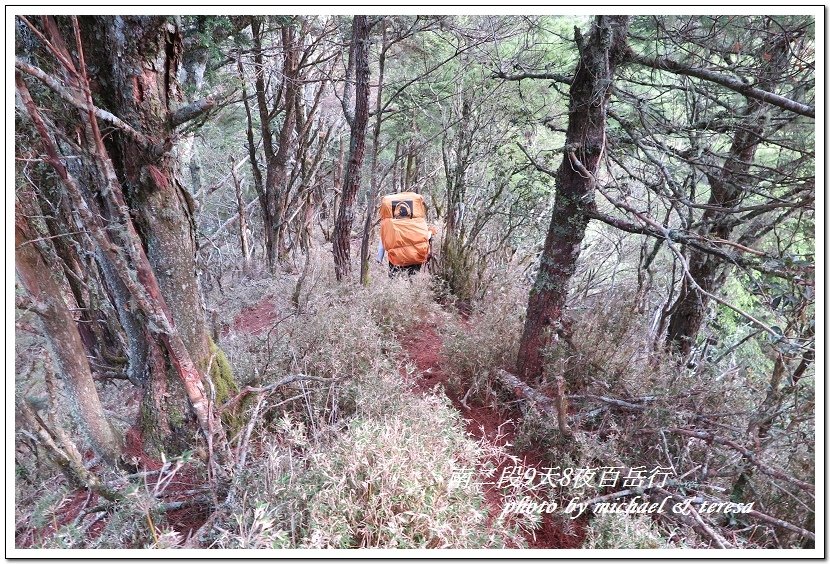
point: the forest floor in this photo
(423, 346)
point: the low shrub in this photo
(618, 531)
(486, 341)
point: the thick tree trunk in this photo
(109, 226)
(600, 52)
(136, 59)
(341, 240)
(68, 351)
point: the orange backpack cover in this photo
(403, 228)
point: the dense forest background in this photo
(208, 355)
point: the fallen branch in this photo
(611, 401)
(523, 390)
(749, 456)
(608, 497)
(702, 526)
(783, 524)
(555, 407)
(751, 513)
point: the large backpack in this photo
(403, 228)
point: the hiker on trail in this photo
(405, 237)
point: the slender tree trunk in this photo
(455, 266)
(590, 91)
(728, 188)
(268, 194)
(373, 179)
(689, 311)
(279, 184)
(341, 240)
(395, 184)
(330, 214)
(192, 76)
(243, 223)
(98, 323)
(411, 164)
(277, 157)
(256, 172)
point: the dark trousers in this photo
(397, 270)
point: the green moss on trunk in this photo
(221, 375)
(226, 387)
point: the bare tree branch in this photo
(534, 75)
(726, 81)
(75, 99)
(199, 107)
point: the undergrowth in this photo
(359, 460)
(344, 454)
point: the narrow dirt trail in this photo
(423, 345)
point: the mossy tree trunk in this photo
(456, 260)
(590, 91)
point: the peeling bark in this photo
(151, 253)
(68, 351)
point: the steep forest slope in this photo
(611, 345)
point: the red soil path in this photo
(423, 346)
(255, 319)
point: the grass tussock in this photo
(616, 531)
(388, 482)
(487, 340)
